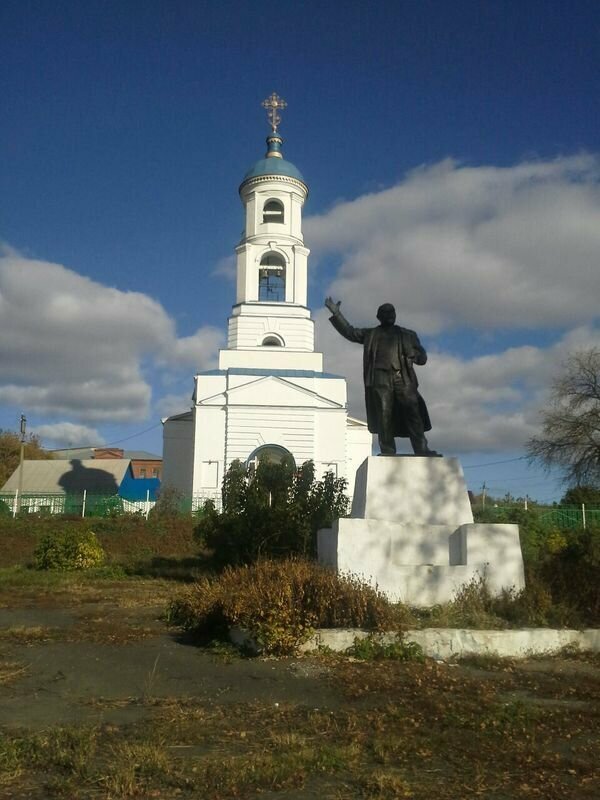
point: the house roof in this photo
(93, 475)
(88, 452)
(141, 455)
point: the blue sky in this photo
(451, 150)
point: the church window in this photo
(271, 454)
(273, 211)
(272, 341)
(271, 279)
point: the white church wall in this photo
(297, 334)
(251, 427)
(333, 389)
(209, 447)
(330, 441)
(270, 358)
(300, 277)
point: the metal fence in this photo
(87, 504)
(556, 517)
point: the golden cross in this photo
(273, 103)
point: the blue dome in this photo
(274, 166)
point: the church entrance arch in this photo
(272, 454)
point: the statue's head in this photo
(386, 314)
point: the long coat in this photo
(409, 349)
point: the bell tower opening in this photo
(273, 211)
(271, 279)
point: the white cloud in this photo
(174, 403)
(226, 268)
(71, 346)
(483, 247)
(69, 434)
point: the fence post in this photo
(84, 499)
(15, 503)
(583, 514)
(147, 502)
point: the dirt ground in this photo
(102, 658)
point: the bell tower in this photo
(270, 324)
(269, 398)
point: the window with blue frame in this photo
(271, 279)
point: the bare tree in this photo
(570, 437)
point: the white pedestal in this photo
(419, 489)
(412, 534)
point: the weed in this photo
(11, 671)
(373, 648)
(485, 661)
(387, 785)
(150, 681)
(22, 634)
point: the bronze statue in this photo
(394, 406)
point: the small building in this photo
(69, 485)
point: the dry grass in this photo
(397, 730)
(11, 671)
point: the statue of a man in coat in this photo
(394, 406)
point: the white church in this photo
(269, 397)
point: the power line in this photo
(493, 463)
(133, 435)
(110, 444)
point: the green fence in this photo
(552, 517)
(85, 504)
(101, 505)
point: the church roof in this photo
(274, 166)
(273, 163)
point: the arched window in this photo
(272, 454)
(273, 211)
(271, 279)
(272, 341)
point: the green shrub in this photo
(69, 550)
(569, 566)
(274, 512)
(280, 603)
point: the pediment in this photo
(270, 391)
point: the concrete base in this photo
(428, 491)
(425, 560)
(423, 565)
(449, 643)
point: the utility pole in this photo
(483, 488)
(21, 459)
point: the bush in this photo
(569, 566)
(274, 512)
(69, 550)
(280, 603)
